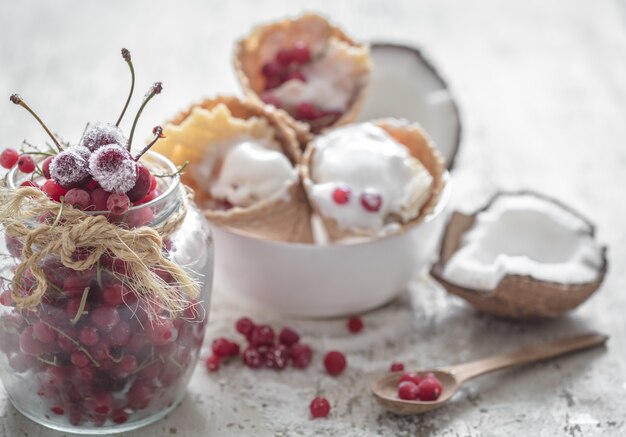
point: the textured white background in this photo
(542, 88)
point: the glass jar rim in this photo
(153, 156)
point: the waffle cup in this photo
(420, 146)
(260, 46)
(285, 217)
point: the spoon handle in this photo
(466, 371)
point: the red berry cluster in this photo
(287, 65)
(93, 351)
(264, 348)
(414, 386)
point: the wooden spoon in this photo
(385, 389)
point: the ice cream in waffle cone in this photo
(243, 167)
(372, 179)
(307, 68)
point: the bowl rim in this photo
(440, 206)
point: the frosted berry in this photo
(8, 158)
(301, 355)
(162, 332)
(408, 391)
(68, 168)
(341, 195)
(142, 184)
(277, 357)
(105, 318)
(288, 337)
(44, 333)
(113, 168)
(262, 335)
(139, 217)
(252, 358)
(120, 334)
(26, 164)
(89, 336)
(371, 201)
(118, 204)
(79, 359)
(355, 325)
(410, 377)
(396, 367)
(244, 326)
(429, 389)
(53, 190)
(212, 363)
(78, 198)
(99, 199)
(335, 363)
(101, 134)
(320, 407)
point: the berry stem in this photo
(170, 175)
(158, 134)
(81, 306)
(126, 56)
(18, 101)
(154, 90)
(74, 342)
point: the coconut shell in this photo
(284, 218)
(516, 296)
(253, 51)
(420, 146)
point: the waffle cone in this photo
(420, 146)
(285, 217)
(253, 51)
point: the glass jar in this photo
(89, 358)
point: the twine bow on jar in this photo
(45, 227)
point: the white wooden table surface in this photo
(542, 88)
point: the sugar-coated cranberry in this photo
(78, 198)
(45, 166)
(26, 164)
(53, 190)
(320, 407)
(113, 168)
(142, 184)
(413, 377)
(341, 195)
(105, 318)
(288, 336)
(301, 53)
(44, 333)
(223, 347)
(334, 362)
(252, 357)
(262, 335)
(371, 201)
(244, 326)
(407, 390)
(396, 367)
(212, 363)
(99, 199)
(29, 184)
(118, 204)
(100, 134)
(69, 168)
(429, 389)
(8, 158)
(89, 336)
(277, 357)
(355, 324)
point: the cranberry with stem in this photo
(158, 134)
(127, 58)
(156, 88)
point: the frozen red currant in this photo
(407, 390)
(100, 134)
(244, 326)
(53, 190)
(223, 347)
(78, 198)
(413, 377)
(212, 363)
(355, 324)
(8, 158)
(113, 168)
(118, 204)
(105, 318)
(26, 164)
(371, 201)
(335, 363)
(252, 357)
(89, 336)
(319, 407)
(69, 168)
(341, 195)
(29, 184)
(262, 335)
(429, 389)
(288, 337)
(99, 199)
(45, 166)
(277, 357)
(142, 184)
(396, 367)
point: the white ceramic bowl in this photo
(325, 281)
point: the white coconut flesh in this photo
(522, 234)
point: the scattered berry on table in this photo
(334, 362)
(320, 407)
(355, 324)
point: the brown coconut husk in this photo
(253, 51)
(413, 137)
(282, 218)
(516, 296)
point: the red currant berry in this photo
(335, 363)
(307, 111)
(222, 348)
(162, 332)
(284, 58)
(128, 364)
(99, 199)
(271, 69)
(320, 407)
(139, 395)
(288, 337)
(26, 164)
(213, 363)
(262, 335)
(407, 391)
(277, 357)
(78, 198)
(410, 377)
(355, 324)
(79, 359)
(118, 203)
(295, 75)
(252, 358)
(105, 318)
(396, 367)
(57, 410)
(8, 158)
(53, 190)
(29, 184)
(142, 184)
(120, 335)
(341, 195)
(300, 355)
(89, 336)
(429, 389)
(44, 333)
(371, 201)
(244, 326)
